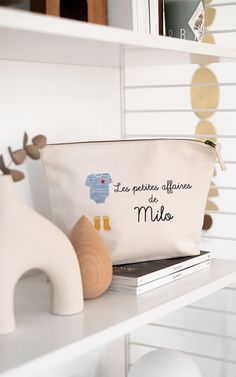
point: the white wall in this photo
(63, 102)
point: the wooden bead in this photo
(94, 258)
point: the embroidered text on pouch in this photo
(148, 213)
(171, 186)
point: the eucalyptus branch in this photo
(18, 156)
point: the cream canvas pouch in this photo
(145, 197)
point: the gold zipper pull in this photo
(217, 148)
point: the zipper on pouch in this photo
(217, 148)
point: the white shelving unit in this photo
(36, 38)
(43, 341)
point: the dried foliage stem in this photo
(18, 156)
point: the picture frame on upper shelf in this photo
(144, 16)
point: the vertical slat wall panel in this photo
(158, 104)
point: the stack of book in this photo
(138, 278)
(143, 16)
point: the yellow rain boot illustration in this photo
(106, 224)
(97, 222)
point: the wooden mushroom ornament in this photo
(94, 258)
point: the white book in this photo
(123, 14)
(143, 16)
(154, 17)
(159, 282)
(140, 16)
(129, 14)
(135, 274)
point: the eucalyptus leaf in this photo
(25, 139)
(39, 141)
(17, 156)
(3, 167)
(17, 175)
(32, 151)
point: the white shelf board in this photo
(43, 341)
(32, 37)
